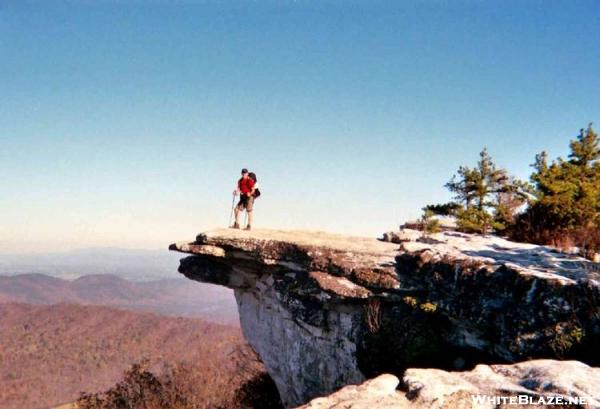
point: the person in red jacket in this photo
(245, 188)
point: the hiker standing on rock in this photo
(246, 189)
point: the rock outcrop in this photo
(531, 384)
(377, 393)
(324, 311)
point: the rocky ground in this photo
(531, 384)
(324, 311)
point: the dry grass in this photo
(373, 315)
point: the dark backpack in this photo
(252, 176)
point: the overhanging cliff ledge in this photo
(325, 310)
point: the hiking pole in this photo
(232, 207)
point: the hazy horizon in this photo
(131, 264)
(125, 124)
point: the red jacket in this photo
(245, 186)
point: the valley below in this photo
(64, 337)
(51, 354)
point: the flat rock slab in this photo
(530, 259)
(362, 261)
(364, 245)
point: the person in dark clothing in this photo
(245, 188)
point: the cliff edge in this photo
(324, 311)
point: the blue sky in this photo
(125, 123)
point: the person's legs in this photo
(249, 208)
(236, 225)
(238, 209)
(249, 219)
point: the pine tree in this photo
(567, 195)
(569, 191)
(584, 165)
(585, 150)
(428, 223)
(488, 194)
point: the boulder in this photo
(531, 384)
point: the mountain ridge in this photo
(169, 296)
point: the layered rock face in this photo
(324, 311)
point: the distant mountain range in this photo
(137, 265)
(52, 353)
(172, 296)
(61, 332)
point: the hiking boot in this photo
(248, 227)
(235, 226)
